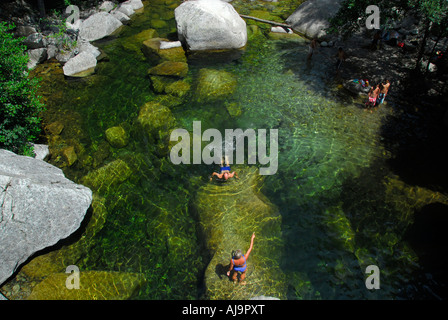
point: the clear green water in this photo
(337, 212)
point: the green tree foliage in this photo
(432, 14)
(19, 104)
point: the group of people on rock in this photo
(377, 94)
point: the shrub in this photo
(19, 104)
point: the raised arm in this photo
(251, 246)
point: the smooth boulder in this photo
(81, 65)
(311, 17)
(210, 25)
(98, 26)
(39, 207)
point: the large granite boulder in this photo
(210, 25)
(98, 26)
(311, 17)
(39, 207)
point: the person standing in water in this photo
(384, 89)
(224, 171)
(238, 263)
(311, 48)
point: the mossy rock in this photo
(168, 100)
(179, 88)
(134, 42)
(100, 180)
(253, 31)
(158, 23)
(156, 119)
(281, 36)
(159, 83)
(171, 86)
(117, 137)
(93, 285)
(215, 84)
(170, 68)
(70, 155)
(234, 109)
(229, 213)
(54, 128)
(151, 50)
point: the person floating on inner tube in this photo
(224, 171)
(238, 263)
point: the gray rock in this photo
(74, 26)
(36, 56)
(85, 46)
(98, 26)
(64, 56)
(135, 4)
(210, 24)
(81, 65)
(311, 17)
(24, 31)
(41, 151)
(52, 51)
(107, 6)
(120, 16)
(35, 41)
(126, 9)
(39, 207)
(355, 87)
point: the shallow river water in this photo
(342, 208)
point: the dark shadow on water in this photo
(428, 238)
(417, 138)
(221, 270)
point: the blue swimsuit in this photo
(240, 268)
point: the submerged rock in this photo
(209, 25)
(93, 285)
(117, 137)
(160, 49)
(229, 213)
(40, 207)
(100, 180)
(134, 43)
(215, 84)
(170, 68)
(156, 119)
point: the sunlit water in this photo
(338, 216)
